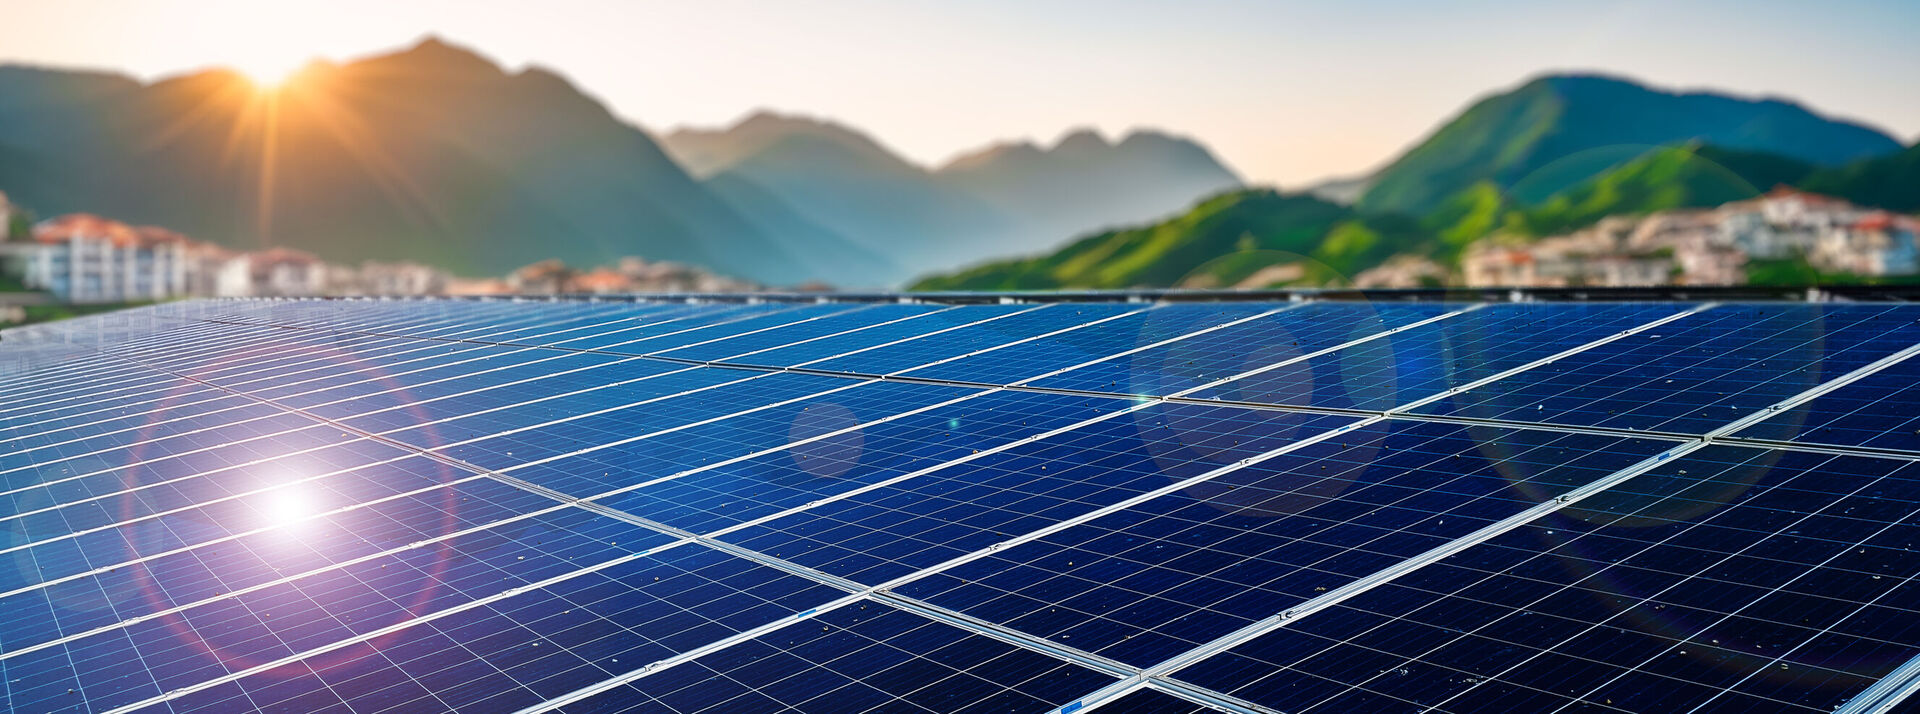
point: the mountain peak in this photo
(432, 54)
(1081, 140)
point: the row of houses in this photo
(1711, 246)
(84, 258)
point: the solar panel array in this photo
(524, 506)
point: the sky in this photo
(1284, 92)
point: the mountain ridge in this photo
(431, 153)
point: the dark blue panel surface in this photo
(713, 323)
(1146, 583)
(891, 531)
(764, 485)
(866, 657)
(523, 649)
(1223, 353)
(1698, 373)
(972, 338)
(936, 323)
(826, 326)
(1880, 411)
(1032, 359)
(541, 430)
(1423, 361)
(640, 459)
(1730, 580)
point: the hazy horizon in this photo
(1283, 94)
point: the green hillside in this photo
(1223, 241)
(1556, 132)
(1691, 176)
(1890, 182)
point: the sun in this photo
(269, 72)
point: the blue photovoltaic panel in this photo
(824, 328)
(1250, 345)
(839, 460)
(1430, 359)
(1038, 357)
(892, 531)
(1881, 411)
(492, 505)
(865, 657)
(1697, 373)
(518, 650)
(982, 335)
(1733, 579)
(931, 326)
(1151, 581)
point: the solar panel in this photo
(843, 505)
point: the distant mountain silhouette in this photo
(843, 180)
(1084, 183)
(1007, 198)
(433, 154)
(1557, 131)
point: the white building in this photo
(284, 272)
(1878, 244)
(85, 258)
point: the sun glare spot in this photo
(270, 73)
(288, 506)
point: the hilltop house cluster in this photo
(629, 275)
(1710, 246)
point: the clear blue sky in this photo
(1284, 91)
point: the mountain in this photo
(855, 268)
(433, 154)
(845, 182)
(1890, 182)
(1083, 182)
(1005, 199)
(1246, 238)
(1557, 131)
